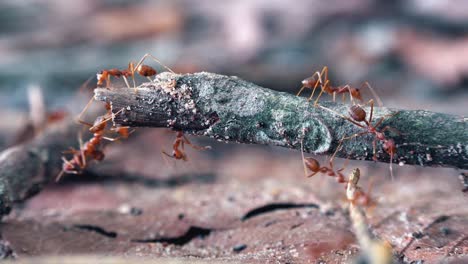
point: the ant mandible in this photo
(178, 152)
(357, 115)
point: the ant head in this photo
(312, 164)
(146, 71)
(356, 93)
(357, 113)
(309, 82)
(389, 146)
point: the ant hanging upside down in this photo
(357, 116)
(178, 151)
(92, 149)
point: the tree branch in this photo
(25, 168)
(231, 109)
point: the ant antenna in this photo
(376, 96)
(83, 111)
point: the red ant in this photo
(358, 115)
(314, 166)
(142, 69)
(357, 195)
(313, 83)
(178, 152)
(89, 150)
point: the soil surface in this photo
(251, 206)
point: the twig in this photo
(25, 168)
(231, 109)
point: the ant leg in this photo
(313, 91)
(85, 84)
(371, 110)
(376, 96)
(79, 120)
(374, 149)
(59, 176)
(300, 90)
(310, 175)
(343, 139)
(193, 146)
(111, 139)
(106, 119)
(155, 59)
(108, 81)
(126, 82)
(321, 92)
(83, 158)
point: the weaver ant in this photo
(142, 69)
(314, 166)
(357, 115)
(91, 149)
(178, 152)
(321, 78)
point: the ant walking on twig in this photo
(357, 115)
(321, 78)
(140, 68)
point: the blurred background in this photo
(413, 52)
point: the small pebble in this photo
(136, 211)
(239, 248)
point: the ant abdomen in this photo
(357, 113)
(146, 71)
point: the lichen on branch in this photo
(231, 109)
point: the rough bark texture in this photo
(230, 109)
(24, 169)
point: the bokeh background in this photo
(413, 52)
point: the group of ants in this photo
(93, 148)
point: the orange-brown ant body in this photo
(357, 115)
(314, 166)
(178, 152)
(321, 78)
(92, 149)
